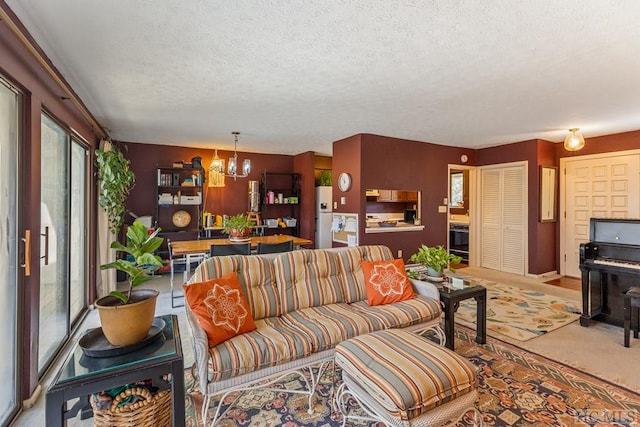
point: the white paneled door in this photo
(503, 218)
(600, 186)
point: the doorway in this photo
(461, 210)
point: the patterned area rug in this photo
(518, 313)
(517, 388)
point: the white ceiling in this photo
(294, 76)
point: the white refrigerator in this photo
(324, 204)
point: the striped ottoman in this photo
(403, 379)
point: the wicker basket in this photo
(153, 411)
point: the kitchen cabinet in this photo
(393, 196)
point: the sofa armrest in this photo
(200, 344)
(426, 289)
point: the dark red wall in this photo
(410, 165)
(347, 158)
(391, 163)
(40, 92)
(543, 252)
(304, 165)
(521, 151)
(228, 200)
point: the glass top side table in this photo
(456, 289)
(80, 376)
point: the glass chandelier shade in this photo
(574, 141)
(216, 171)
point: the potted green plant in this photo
(325, 178)
(435, 258)
(126, 317)
(238, 227)
(115, 180)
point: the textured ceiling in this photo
(294, 76)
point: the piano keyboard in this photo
(617, 263)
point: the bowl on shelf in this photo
(387, 223)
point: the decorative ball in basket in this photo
(135, 406)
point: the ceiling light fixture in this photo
(574, 141)
(232, 171)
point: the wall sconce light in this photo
(232, 172)
(216, 171)
(574, 141)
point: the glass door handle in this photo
(27, 252)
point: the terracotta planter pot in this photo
(239, 234)
(125, 324)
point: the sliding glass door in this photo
(9, 214)
(63, 260)
(78, 234)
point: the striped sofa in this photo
(304, 303)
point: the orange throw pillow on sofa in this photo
(386, 282)
(221, 308)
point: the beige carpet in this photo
(597, 349)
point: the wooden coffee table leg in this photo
(481, 321)
(449, 322)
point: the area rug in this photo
(517, 388)
(517, 313)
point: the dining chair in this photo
(231, 249)
(184, 264)
(272, 248)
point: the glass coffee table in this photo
(456, 289)
(80, 376)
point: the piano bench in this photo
(631, 313)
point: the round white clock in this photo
(344, 181)
(464, 158)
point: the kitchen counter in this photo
(400, 227)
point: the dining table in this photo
(202, 246)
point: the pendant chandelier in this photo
(216, 169)
(232, 171)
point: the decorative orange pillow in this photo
(386, 282)
(221, 308)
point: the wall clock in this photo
(344, 181)
(181, 219)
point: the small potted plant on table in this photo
(436, 259)
(238, 227)
(126, 317)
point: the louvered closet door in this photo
(491, 219)
(503, 219)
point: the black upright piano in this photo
(610, 265)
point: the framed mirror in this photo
(548, 196)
